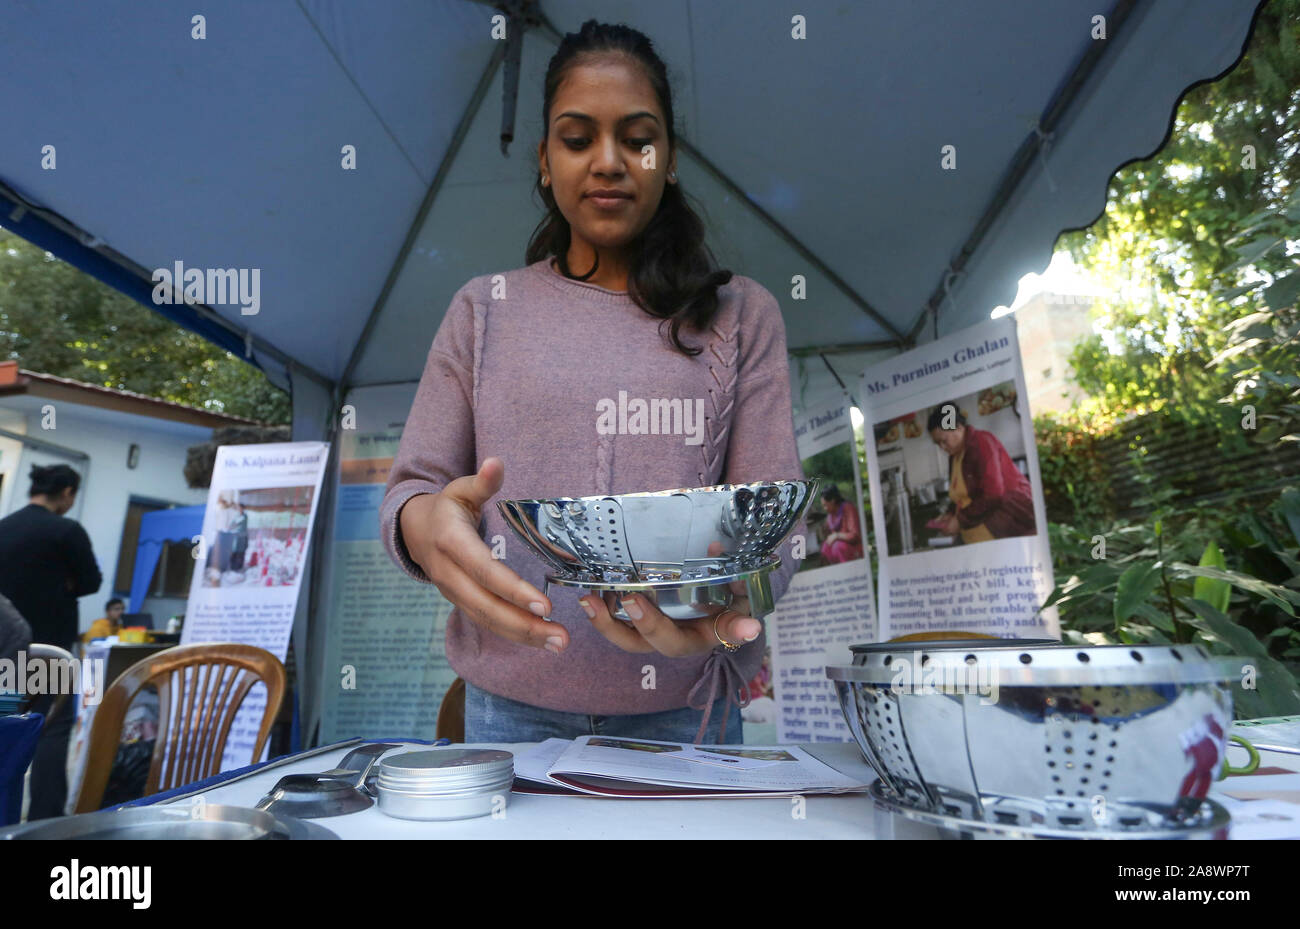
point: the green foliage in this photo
(1206, 233)
(1169, 232)
(1226, 578)
(1216, 592)
(1076, 487)
(833, 465)
(1262, 353)
(56, 320)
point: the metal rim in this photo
(1211, 818)
(1216, 671)
(714, 488)
(880, 648)
(262, 824)
(444, 764)
(594, 583)
(1034, 666)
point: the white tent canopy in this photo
(818, 157)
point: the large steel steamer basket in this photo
(1057, 736)
(681, 548)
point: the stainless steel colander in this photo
(680, 547)
(1099, 739)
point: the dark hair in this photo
(937, 416)
(109, 604)
(832, 493)
(672, 275)
(52, 479)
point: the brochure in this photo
(1272, 733)
(642, 768)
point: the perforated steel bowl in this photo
(661, 535)
(1103, 738)
(682, 548)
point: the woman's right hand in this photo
(441, 535)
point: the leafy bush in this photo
(1263, 351)
(1227, 579)
(1076, 487)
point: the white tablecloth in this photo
(850, 816)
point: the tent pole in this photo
(835, 374)
(413, 233)
(1023, 160)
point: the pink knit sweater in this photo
(516, 370)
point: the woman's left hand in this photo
(652, 631)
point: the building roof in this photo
(19, 381)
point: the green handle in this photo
(1251, 765)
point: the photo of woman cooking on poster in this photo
(954, 473)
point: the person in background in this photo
(991, 499)
(844, 543)
(109, 624)
(761, 684)
(46, 563)
(240, 528)
(15, 633)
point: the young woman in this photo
(991, 499)
(620, 297)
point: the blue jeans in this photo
(489, 718)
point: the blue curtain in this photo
(178, 524)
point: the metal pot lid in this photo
(444, 792)
(454, 763)
(170, 821)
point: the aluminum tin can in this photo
(445, 784)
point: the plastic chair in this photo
(39, 651)
(18, 738)
(193, 721)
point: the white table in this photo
(846, 816)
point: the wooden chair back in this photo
(193, 720)
(451, 713)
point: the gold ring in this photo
(725, 644)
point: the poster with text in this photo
(256, 529)
(956, 498)
(385, 669)
(829, 604)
